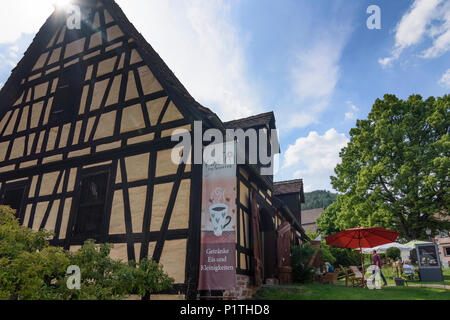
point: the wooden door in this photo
(270, 260)
(284, 253)
(257, 260)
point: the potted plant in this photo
(394, 254)
(399, 282)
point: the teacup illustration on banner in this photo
(219, 218)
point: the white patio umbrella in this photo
(412, 244)
(368, 250)
(383, 248)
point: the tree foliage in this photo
(301, 256)
(328, 222)
(31, 269)
(394, 253)
(345, 257)
(318, 199)
(394, 171)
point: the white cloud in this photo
(301, 120)
(198, 41)
(445, 80)
(11, 62)
(425, 19)
(22, 16)
(17, 18)
(441, 35)
(315, 73)
(352, 114)
(313, 158)
(412, 26)
(385, 62)
(14, 52)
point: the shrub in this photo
(327, 254)
(31, 269)
(345, 257)
(393, 253)
(301, 255)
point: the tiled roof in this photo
(263, 119)
(311, 216)
(288, 187)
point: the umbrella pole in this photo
(362, 261)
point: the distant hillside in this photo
(318, 199)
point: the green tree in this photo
(327, 222)
(318, 199)
(31, 269)
(345, 257)
(327, 253)
(393, 253)
(394, 171)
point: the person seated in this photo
(408, 270)
(409, 266)
(329, 268)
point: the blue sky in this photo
(315, 63)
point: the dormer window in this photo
(68, 95)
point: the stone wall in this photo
(244, 288)
(443, 243)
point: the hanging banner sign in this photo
(218, 229)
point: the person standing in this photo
(377, 262)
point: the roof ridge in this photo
(288, 181)
(10, 90)
(253, 117)
(164, 73)
(289, 187)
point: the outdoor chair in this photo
(360, 280)
(330, 278)
(349, 278)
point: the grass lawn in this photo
(330, 292)
(389, 274)
(340, 292)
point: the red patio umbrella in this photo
(362, 238)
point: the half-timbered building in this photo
(86, 120)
